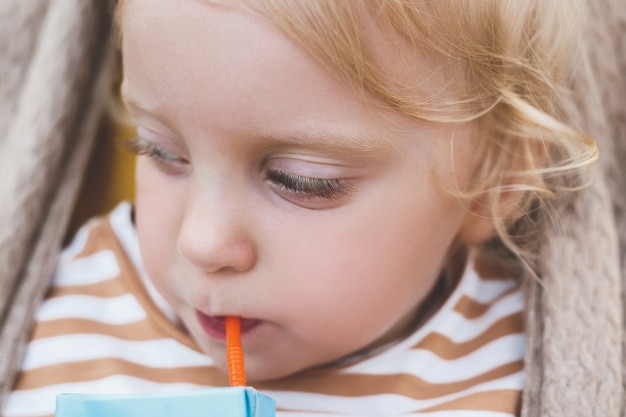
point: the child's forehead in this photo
(396, 52)
(246, 81)
(354, 41)
(258, 58)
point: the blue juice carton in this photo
(207, 402)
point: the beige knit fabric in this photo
(54, 64)
(575, 359)
(55, 57)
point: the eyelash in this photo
(309, 187)
(139, 146)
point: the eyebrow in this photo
(331, 140)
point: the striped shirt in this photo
(104, 329)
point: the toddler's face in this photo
(270, 191)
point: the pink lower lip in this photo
(214, 325)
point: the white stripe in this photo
(160, 353)
(460, 329)
(383, 405)
(486, 291)
(481, 291)
(38, 402)
(123, 309)
(433, 369)
(100, 266)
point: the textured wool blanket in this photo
(56, 59)
(55, 66)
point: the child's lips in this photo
(214, 325)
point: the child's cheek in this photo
(156, 221)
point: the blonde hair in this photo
(509, 63)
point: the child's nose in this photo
(214, 236)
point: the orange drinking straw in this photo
(234, 352)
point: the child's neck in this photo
(442, 289)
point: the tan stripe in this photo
(445, 348)
(494, 268)
(503, 401)
(101, 368)
(96, 239)
(137, 331)
(109, 288)
(353, 385)
(472, 309)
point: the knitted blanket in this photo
(55, 67)
(55, 60)
(575, 354)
